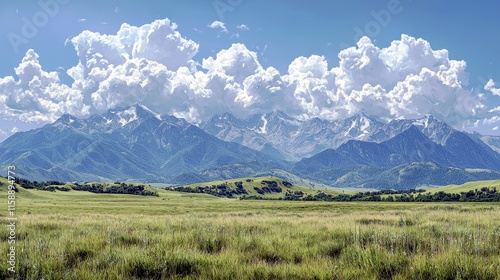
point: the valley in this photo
(178, 235)
(268, 197)
(259, 140)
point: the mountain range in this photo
(124, 143)
(294, 139)
(134, 143)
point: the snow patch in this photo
(127, 116)
(158, 116)
(263, 129)
(421, 122)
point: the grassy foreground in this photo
(79, 235)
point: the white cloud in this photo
(490, 86)
(243, 27)
(4, 134)
(37, 95)
(218, 24)
(494, 110)
(408, 79)
(153, 64)
(158, 41)
(484, 125)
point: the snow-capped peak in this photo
(438, 131)
(127, 116)
(67, 119)
(284, 117)
(359, 126)
(141, 107)
(425, 121)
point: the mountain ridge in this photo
(305, 138)
(121, 144)
(136, 143)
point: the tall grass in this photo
(429, 243)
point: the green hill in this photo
(3, 182)
(470, 186)
(264, 187)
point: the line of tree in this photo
(50, 186)
(223, 190)
(118, 188)
(122, 188)
(484, 194)
(268, 187)
(220, 190)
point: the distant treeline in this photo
(117, 188)
(482, 195)
(412, 195)
(122, 188)
(223, 190)
(50, 186)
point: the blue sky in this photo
(278, 32)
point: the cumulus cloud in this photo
(408, 79)
(135, 65)
(153, 64)
(243, 27)
(159, 41)
(37, 95)
(490, 86)
(218, 24)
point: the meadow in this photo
(81, 235)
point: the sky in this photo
(196, 58)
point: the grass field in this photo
(81, 235)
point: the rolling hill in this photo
(265, 187)
(469, 186)
(407, 176)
